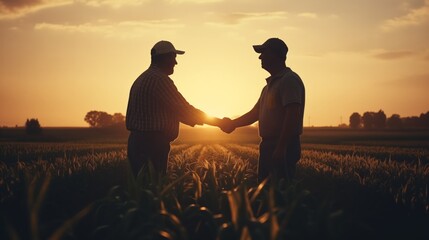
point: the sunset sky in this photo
(61, 59)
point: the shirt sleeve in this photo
(255, 109)
(292, 91)
(176, 103)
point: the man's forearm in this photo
(213, 121)
(191, 116)
(246, 119)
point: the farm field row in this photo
(337, 186)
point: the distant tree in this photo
(99, 119)
(118, 121)
(368, 120)
(103, 119)
(394, 122)
(424, 119)
(411, 122)
(380, 120)
(355, 120)
(118, 118)
(92, 118)
(417, 122)
(32, 126)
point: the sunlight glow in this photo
(78, 64)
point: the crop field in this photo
(76, 190)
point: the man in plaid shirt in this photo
(155, 108)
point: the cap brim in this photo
(179, 52)
(258, 48)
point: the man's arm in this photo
(214, 121)
(247, 118)
(187, 113)
(175, 101)
(290, 129)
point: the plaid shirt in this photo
(155, 104)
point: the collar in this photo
(278, 75)
(156, 69)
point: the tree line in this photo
(378, 120)
(96, 119)
(368, 120)
(100, 119)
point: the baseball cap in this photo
(163, 47)
(275, 44)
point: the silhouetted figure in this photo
(155, 108)
(280, 111)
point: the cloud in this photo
(8, 5)
(420, 81)
(414, 17)
(10, 9)
(112, 3)
(195, 1)
(308, 15)
(124, 29)
(391, 55)
(239, 17)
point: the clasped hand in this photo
(226, 125)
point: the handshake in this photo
(225, 124)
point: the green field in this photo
(74, 183)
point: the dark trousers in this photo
(283, 168)
(145, 147)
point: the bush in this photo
(33, 127)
